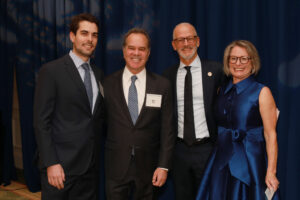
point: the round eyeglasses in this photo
(243, 59)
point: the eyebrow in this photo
(86, 31)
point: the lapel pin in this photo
(209, 74)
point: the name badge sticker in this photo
(153, 100)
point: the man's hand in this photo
(56, 176)
(159, 177)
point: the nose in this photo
(185, 41)
(238, 62)
(136, 51)
(90, 37)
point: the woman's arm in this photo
(268, 112)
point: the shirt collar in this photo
(240, 86)
(127, 75)
(77, 60)
(196, 63)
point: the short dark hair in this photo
(137, 31)
(75, 20)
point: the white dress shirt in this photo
(78, 62)
(140, 85)
(201, 129)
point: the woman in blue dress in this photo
(243, 163)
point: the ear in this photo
(149, 52)
(123, 50)
(174, 46)
(72, 36)
(198, 41)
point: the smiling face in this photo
(136, 52)
(238, 70)
(85, 39)
(185, 42)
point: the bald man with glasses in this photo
(195, 83)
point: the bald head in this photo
(184, 26)
(185, 42)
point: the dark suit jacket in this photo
(66, 130)
(210, 88)
(152, 137)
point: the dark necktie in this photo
(188, 127)
(88, 83)
(133, 100)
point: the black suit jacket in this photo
(212, 79)
(66, 130)
(151, 138)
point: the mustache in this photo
(187, 47)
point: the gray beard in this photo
(189, 56)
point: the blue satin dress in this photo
(237, 167)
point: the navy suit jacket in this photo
(66, 130)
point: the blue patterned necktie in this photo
(87, 83)
(133, 100)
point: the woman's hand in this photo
(272, 181)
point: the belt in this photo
(197, 141)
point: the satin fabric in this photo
(237, 167)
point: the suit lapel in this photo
(205, 83)
(174, 80)
(75, 76)
(120, 91)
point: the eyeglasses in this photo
(181, 40)
(243, 59)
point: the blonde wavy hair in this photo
(251, 50)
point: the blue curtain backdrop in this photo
(36, 31)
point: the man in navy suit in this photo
(68, 117)
(195, 83)
(140, 136)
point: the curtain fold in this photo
(34, 32)
(7, 63)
